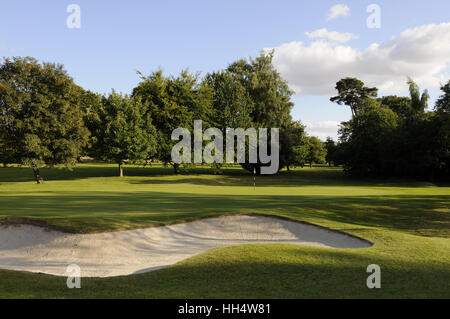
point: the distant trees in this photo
(269, 93)
(174, 102)
(248, 93)
(91, 104)
(331, 148)
(311, 150)
(41, 121)
(315, 151)
(232, 102)
(394, 136)
(122, 130)
(295, 139)
(266, 103)
(364, 139)
(46, 119)
(443, 103)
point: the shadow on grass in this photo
(252, 271)
(25, 174)
(231, 176)
(424, 215)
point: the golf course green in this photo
(407, 221)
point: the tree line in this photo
(47, 119)
(392, 135)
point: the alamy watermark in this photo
(374, 280)
(251, 139)
(74, 19)
(74, 278)
(374, 19)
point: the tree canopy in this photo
(270, 102)
(123, 131)
(41, 119)
(394, 136)
(352, 92)
(46, 119)
(174, 102)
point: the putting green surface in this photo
(408, 222)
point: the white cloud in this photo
(338, 10)
(323, 129)
(331, 35)
(422, 53)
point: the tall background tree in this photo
(396, 136)
(174, 102)
(41, 120)
(270, 96)
(364, 137)
(91, 106)
(122, 130)
(352, 92)
(232, 103)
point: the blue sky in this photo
(117, 38)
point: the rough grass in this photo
(408, 221)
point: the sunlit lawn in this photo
(409, 223)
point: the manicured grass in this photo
(409, 223)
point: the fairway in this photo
(408, 222)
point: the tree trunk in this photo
(120, 169)
(5, 165)
(310, 165)
(175, 168)
(288, 168)
(37, 176)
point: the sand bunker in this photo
(35, 249)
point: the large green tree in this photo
(41, 120)
(91, 105)
(268, 91)
(122, 130)
(231, 101)
(365, 139)
(270, 99)
(174, 102)
(395, 136)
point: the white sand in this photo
(36, 249)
